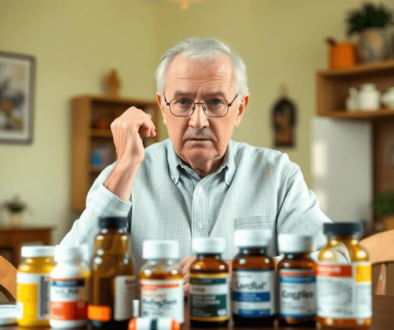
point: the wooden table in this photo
(383, 318)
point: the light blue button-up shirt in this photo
(253, 188)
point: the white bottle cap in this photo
(295, 243)
(252, 237)
(160, 250)
(68, 253)
(209, 245)
(37, 251)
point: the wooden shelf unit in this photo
(86, 110)
(332, 89)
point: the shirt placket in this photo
(200, 211)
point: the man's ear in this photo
(161, 102)
(241, 110)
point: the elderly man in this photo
(199, 182)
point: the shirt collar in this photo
(175, 163)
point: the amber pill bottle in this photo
(161, 281)
(297, 281)
(112, 276)
(344, 295)
(253, 295)
(209, 295)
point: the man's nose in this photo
(198, 119)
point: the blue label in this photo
(67, 284)
(253, 312)
(251, 296)
(297, 279)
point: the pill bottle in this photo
(344, 295)
(69, 281)
(253, 295)
(157, 324)
(209, 294)
(33, 285)
(297, 281)
(161, 281)
(112, 282)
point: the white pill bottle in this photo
(69, 288)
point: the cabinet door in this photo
(342, 168)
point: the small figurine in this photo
(112, 84)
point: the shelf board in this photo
(360, 114)
(360, 69)
(101, 133)
(94, 169)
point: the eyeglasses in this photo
(182, 107)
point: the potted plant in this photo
(384, 207)
(15, 210)
(370, 22)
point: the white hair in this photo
(203, 49)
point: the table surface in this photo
(383, 318)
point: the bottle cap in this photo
(68, 253)
(252, 237)
(37, 251)
(113, 222)
(295, 243)
(209, 245)
(343, 228)
(160, 250)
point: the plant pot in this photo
(15, 218)
(373, 45)
(388, 222)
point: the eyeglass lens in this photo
(212, 108)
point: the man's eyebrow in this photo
(205, 95)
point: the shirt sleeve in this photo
(300, 212)
(100, 202)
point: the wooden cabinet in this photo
(91, 117)
(13, 238)
(332, 88)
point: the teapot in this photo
(369, 97)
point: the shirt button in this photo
(200, 190)
(200, 225)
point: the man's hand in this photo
(185, 268)
(128, 131)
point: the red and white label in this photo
(162, 298)
(344, 291)
(68, 299)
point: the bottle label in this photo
(33, 296)
(209, 297)
(253, 293)
(68, 299)
(297, 293)
(344, 291)
(162, 298)
(124, 295)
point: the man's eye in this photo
(183, 102)
(215, 102)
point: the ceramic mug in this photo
(388, 98)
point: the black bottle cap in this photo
(343, 228)
(113, 222)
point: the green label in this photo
(209, 297)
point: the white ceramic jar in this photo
(388, 98)
(369, 97)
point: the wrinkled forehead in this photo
(210, 74)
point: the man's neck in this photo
(204, 169)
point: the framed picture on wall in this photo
(16, 97)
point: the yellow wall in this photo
(76, 42)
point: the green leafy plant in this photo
(369, 16)
(15, 205)
(384, 204)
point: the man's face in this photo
(201, 139)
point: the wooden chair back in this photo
(380, 248)
(7, 279)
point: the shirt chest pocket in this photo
(255, 222)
